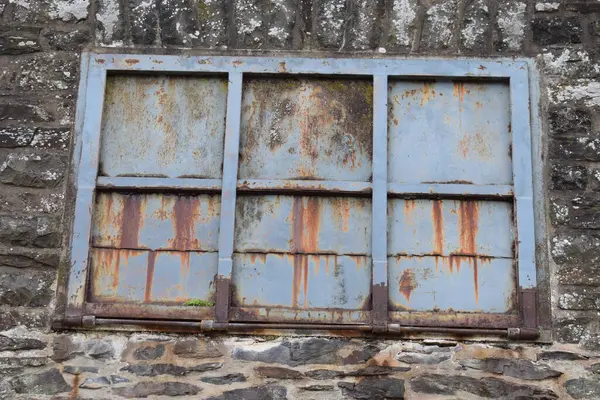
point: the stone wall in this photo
(40, 42)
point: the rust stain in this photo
(409, 207)
(100, 60)
(157, 62)
(482, 67)
(476, 280)
(428, 93)
(300, 278)
(74, 394)
(282, 67)
(478, 104)
(131, 61)
(316, 260)
(149, 277)
(205, 61)
(438, 227)
(481, 146)
(463, 146)
(459, 91)
(185, 211)
(237, 63)
(395, 121)
(306, 217)
(407, 283)
(184, 258)
(468, 221)
(262, 257)
(131, 221)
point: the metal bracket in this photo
(528, 302)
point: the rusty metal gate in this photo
(304, 191)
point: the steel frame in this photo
(96, 67)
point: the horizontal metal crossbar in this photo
(450, 189)
(291, 65)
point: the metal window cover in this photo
(383, 74)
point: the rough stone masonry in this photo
(40, 45)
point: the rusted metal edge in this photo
(329, 187)
(105, 182)
(285, 315)
(528, 303)
(455, 320)
(450, 189)
(150, 311)
(392, 329)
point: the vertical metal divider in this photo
(228, 196)
(87, 171)
(379, 205)
(523, 187)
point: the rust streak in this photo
(438, 227)
(149, 277)
(428, 93)
(468, 221)
(407, 283)
(185, 211)
(476, 280)
(459, 91)
(296, 279)
(131, 221)
(184, 258)
(409, 207)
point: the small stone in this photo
(205, 367)
(116, 379)
(522, 369)
(257, 392)
(323, 374)
(318, 388)
(63, 348)
(419, 358)
(583, 388)
(224, 380)
(374, 388)
(95, 383)
(151, 389)
(561, 356)
(78, 369)
(155, 369)
(149, 353)
(278, 373)
(48, 382)
(16, 343)
(485, 387)
(377, 370)
(96, 348)
(196, 348)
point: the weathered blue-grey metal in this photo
(306, 128)
(156, 221)
(449, 132)
(163, 126)
(322, 154)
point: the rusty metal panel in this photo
(306, 129)
(302, 281)
(455, 283)
(449, 132)
(450, 227)
(303, 224)
(137, 276)
(156, 221)
(163, 126)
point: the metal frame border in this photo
(95, 68)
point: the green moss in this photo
(203, 11)
(199, 303)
